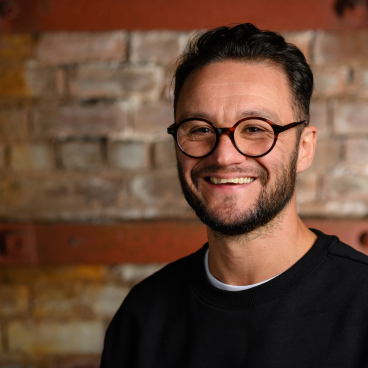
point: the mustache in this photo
(259, 171)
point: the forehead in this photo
(232, 90)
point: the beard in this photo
(230, 222)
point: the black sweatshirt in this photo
(315, 314)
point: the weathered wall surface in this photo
(83, 120)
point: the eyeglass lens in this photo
(253, 137)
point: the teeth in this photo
(245, 180)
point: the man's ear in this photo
(307, 146)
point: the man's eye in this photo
(201, 130)
(253, 129)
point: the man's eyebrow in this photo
(261, 113)
(194, 114)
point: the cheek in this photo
(185, 163)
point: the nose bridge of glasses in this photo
(227, 131)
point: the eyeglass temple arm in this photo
(279, 129)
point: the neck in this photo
(266, 252)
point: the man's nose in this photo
(226, 153)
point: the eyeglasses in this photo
(252, 137)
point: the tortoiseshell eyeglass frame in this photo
(277, 129)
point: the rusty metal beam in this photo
(97, 15)
(136, 242)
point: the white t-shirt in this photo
(221, 285)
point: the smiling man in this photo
(265, 291)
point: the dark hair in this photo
(245, 42)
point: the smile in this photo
(245, 180)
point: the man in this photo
(265, 291)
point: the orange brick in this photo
(26, 275)
(13, 300)
(13, 83)
(15, 47)
(55, 300)
(30, 81)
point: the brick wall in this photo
(83, 120)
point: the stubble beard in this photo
(232, 223)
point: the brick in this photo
(129, 155)
(327, 155)
(341, 47)
(159, 188)
(55, 301)
(16, 361)
(334, 209)
(342, 187)
(48, 274)
(31, 156)
(79, 337)
(79, 362)
(164, 155)
(47, 83)
(104, 300)
(307, 187)
(154, 118)
(356, 151)
(76, 47)
(132, 273)
(302, 40)
(15, 47)
(155, 46)
(319, 118)
(3, 161)
(349, 118)
(360, 77)
(13, 300)
(81, 155)
(13, 82)
(104, 81)
(81, 120)
(330, 80)
(64, 196)
(24, 81)
(13, 122)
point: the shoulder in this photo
(166, 285)
(344, 260)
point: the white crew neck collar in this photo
(221, 285)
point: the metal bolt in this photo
(9, 9)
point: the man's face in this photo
(224, 93)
